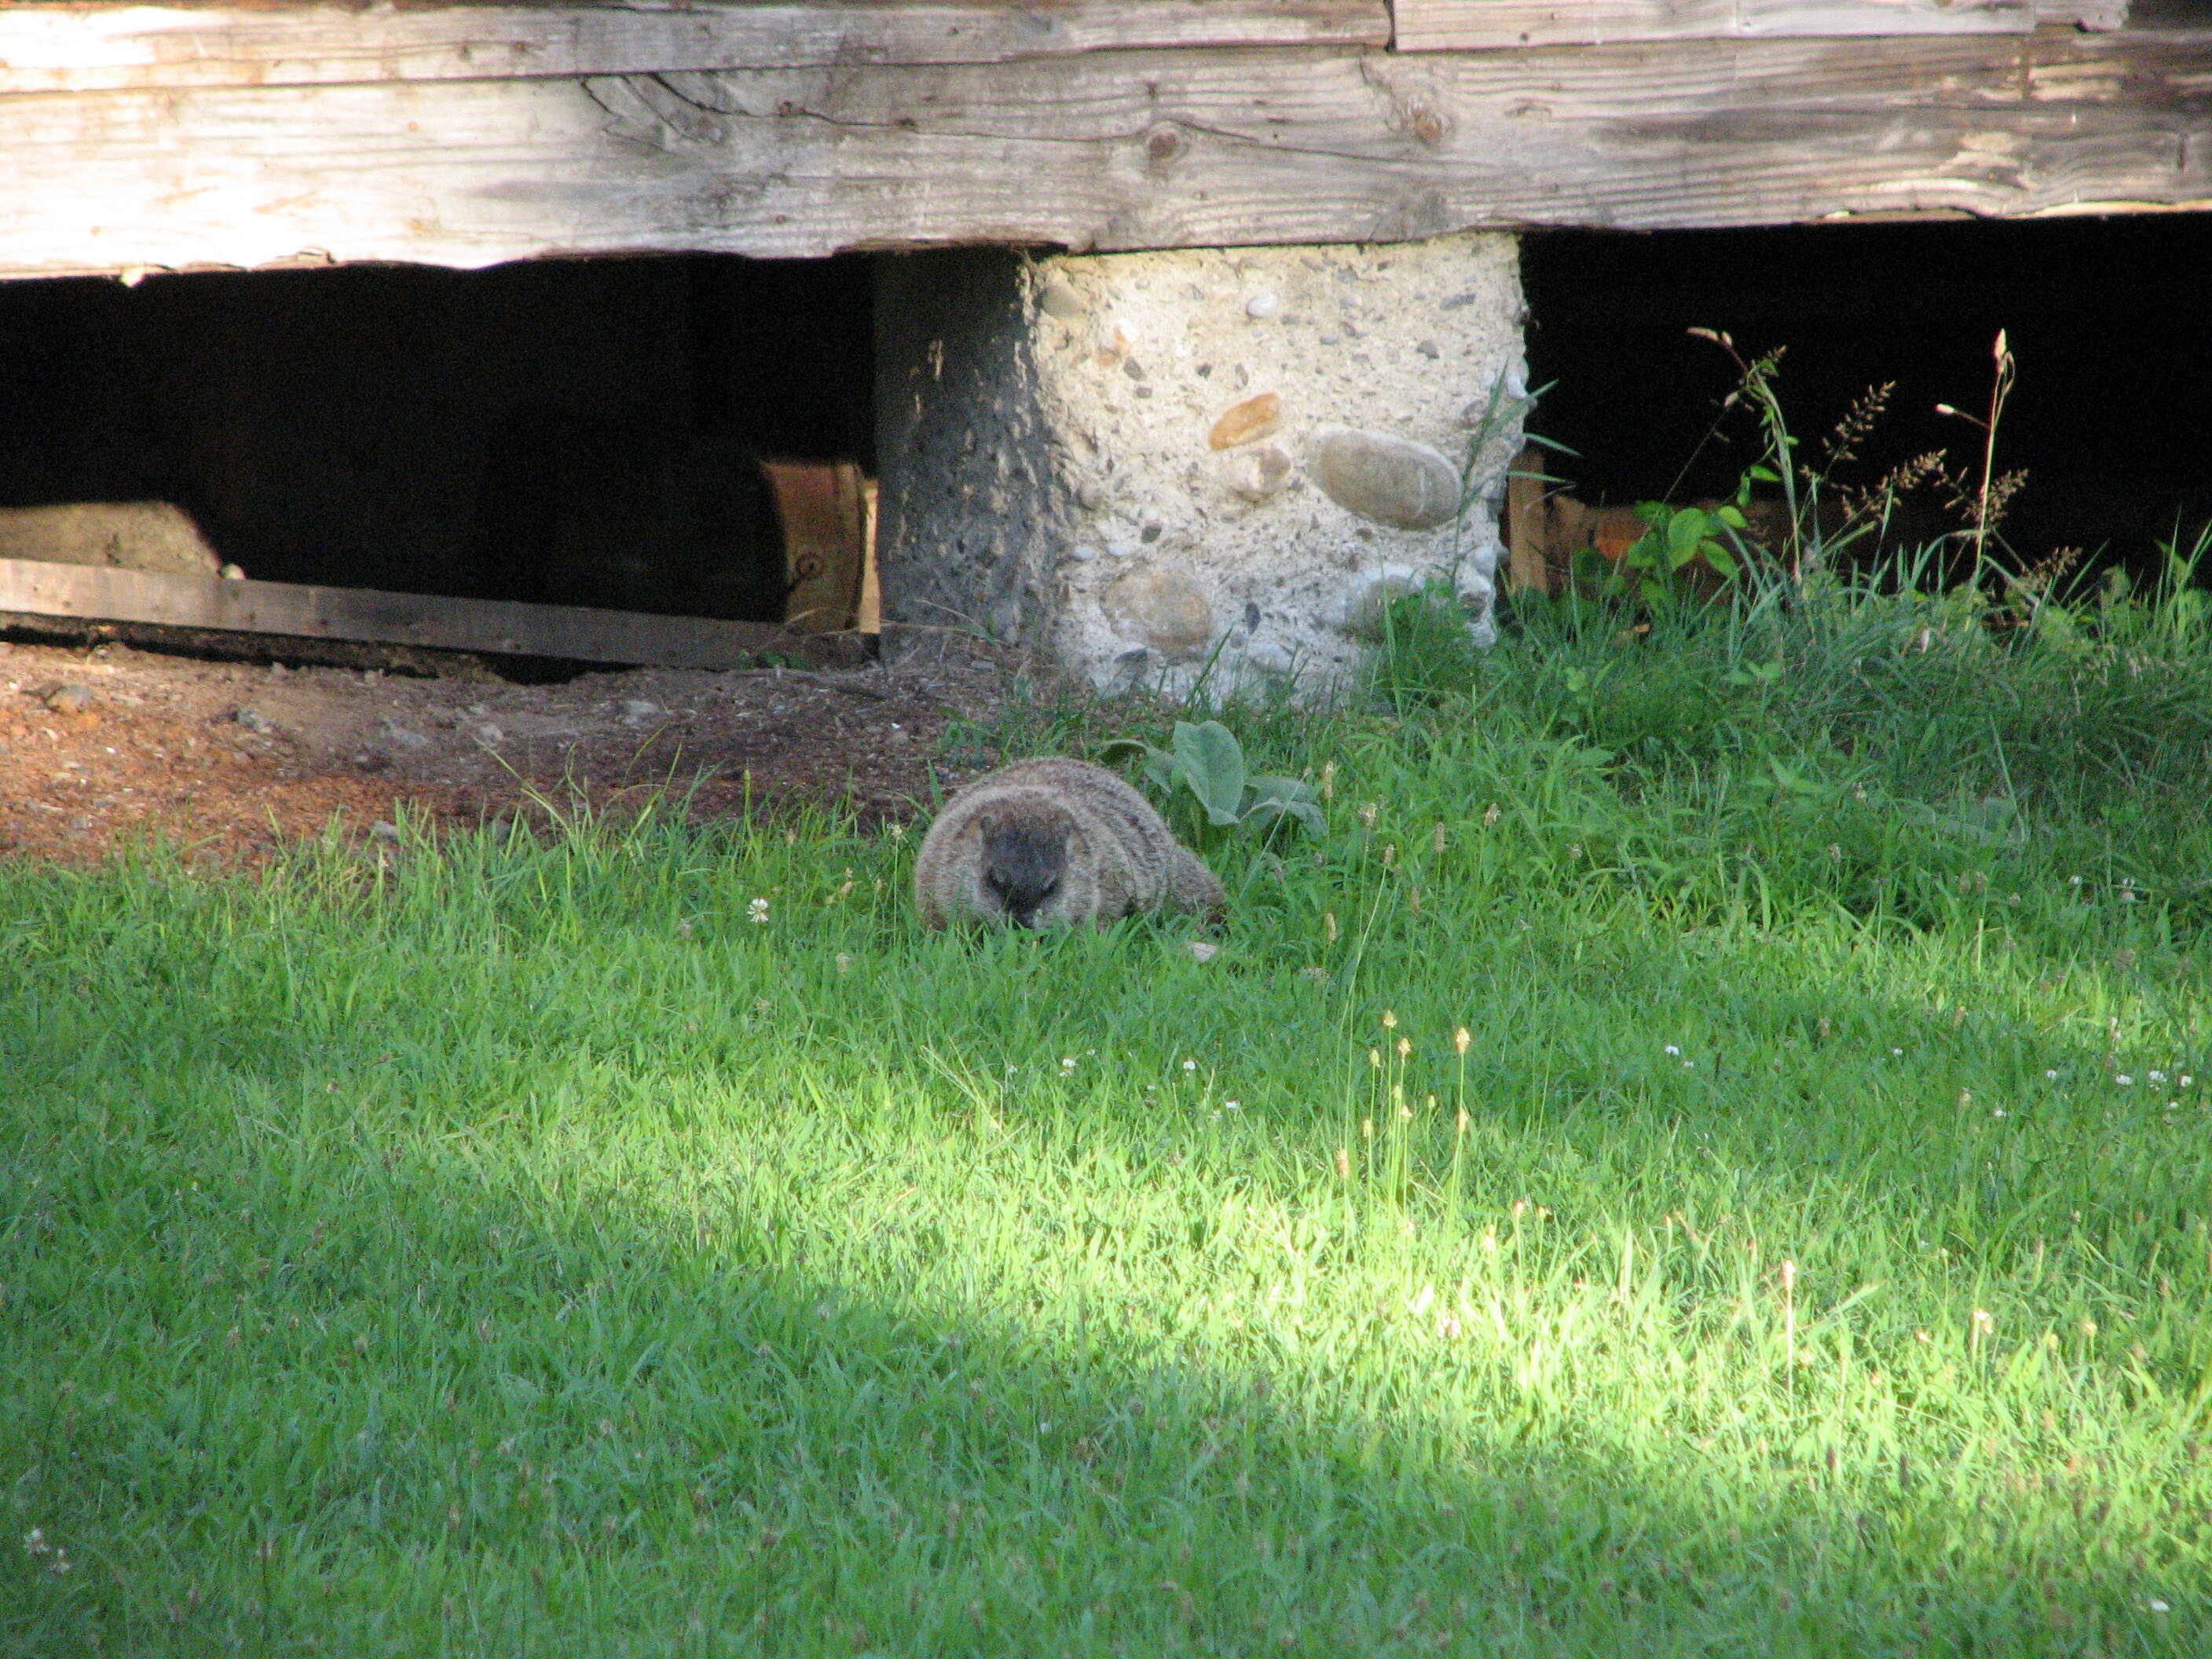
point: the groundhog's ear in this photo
(987, 823)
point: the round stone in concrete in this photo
(1165, 608)
(1258, 472)
(1393, 481)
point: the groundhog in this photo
(1054, 843)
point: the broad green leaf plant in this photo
(1206, 760)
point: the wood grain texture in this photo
(1110, 150)
(2083, 13)
(102, 48)
(31, 588)
(1494, 25)
(1488, 25)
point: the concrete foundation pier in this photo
(1146, 468)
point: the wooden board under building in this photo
(34, 588)
(1492, 25)
(1203, 148)
(821, 507)
(104, 48)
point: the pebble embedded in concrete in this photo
(1246, 422)
(1393, 481)
(1259, 472)
(70, 699)
(1165, 608)
(398, 737)
(1263, 305)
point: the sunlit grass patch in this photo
(650, 1241)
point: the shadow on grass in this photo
(291, 1374)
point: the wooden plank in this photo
(821, 506)
(2083, 13)
(1494, 25)
(1528, 523)
(33, 587)
(1490, 25)
(104, 48)
(1110, 150)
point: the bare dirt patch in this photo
(112, 747)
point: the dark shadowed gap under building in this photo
(2109, 321)
(577, 432)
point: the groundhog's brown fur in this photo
(1053, 843)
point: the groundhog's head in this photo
(1027, 875)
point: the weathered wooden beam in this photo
(1110, 150)
(107, 48)
(1488, 25)
(1495, 25)
(34, 588)
(2084, 14)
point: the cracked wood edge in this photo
(110, 48)
(1111, 151)
(1492, 25)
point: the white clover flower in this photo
(2051, 1077)
(1675, 1050)
(1233, 1105)
(2125, 1080)
(757, 910)
(1190, 1066)
(1897, 1052)
(2156, 1077)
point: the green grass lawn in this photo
(544, 1248)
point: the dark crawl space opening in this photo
(573, 431)
(2109, 321)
